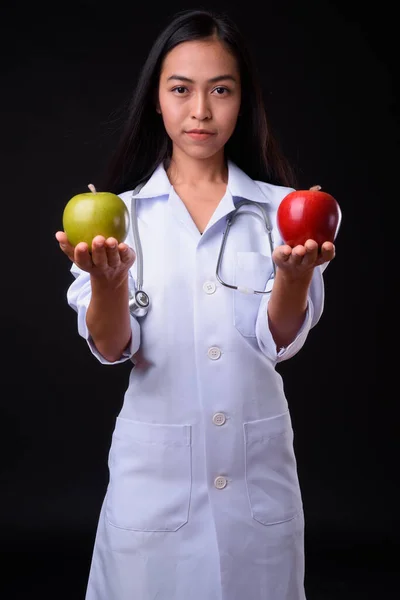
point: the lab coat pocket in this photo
(150, 476)
(271, 471)
(252, 271)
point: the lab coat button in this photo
(214, 353)
(220, 482)
(219, 418)
(209, 287)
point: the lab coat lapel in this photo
(182, 214)
(225, 206)
(240, 187)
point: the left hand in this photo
(300, 261)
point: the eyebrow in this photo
(212, 80)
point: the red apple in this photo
(308, 214)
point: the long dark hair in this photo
(144, 143)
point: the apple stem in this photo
(92, 188)
(315, 188)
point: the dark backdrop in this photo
(328, 74)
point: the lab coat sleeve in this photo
(78, 298)
(315, 306)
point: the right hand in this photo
(107, 260)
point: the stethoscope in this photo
(139, 301)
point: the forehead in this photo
(199, 58)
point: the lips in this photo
(199, 134)
(200, 131)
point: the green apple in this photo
(95, 213)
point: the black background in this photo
(328, 72)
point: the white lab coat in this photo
(203, 500)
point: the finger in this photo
(127, 254)
(82, 257)
(111, 246)
(298, 253)
(99, 254)
(64, 244)
(327, 252)
(328, 247)
(311, 252)
(61, 237)
(311, 246)
(282, 253)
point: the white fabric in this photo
(195, 508)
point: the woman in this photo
(203, 500)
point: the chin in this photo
(201, 153)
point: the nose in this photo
(201, 109)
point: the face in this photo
(199, 97)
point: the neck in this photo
(185, 170)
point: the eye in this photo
(221, 91)
(180, 89)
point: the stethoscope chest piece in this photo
(139, 303)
